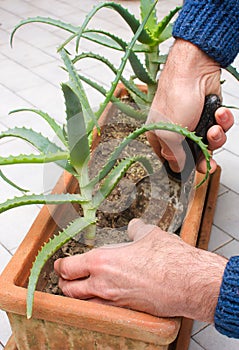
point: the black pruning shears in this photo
(192, 150)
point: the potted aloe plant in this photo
(79, 324)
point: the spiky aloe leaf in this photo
(128, 17)
(125, 108)
(116, 175)
(76, 130)
(156, 126)
(163, 24)
(42, 143)
(123, 62)
(101, 37)
(47, 251)
(161, 59)
(233, 71)
(36, 158)
(144, 8)
(77, 87)
(137, 66)
(41, 199)
(6, 179)
(130, 86)
(54, 22)
(52, 123)
(166, 33)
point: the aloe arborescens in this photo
(74, 154)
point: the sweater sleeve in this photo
(212, 25)
(226, 317)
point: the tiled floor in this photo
(30, 77)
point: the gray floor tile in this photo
(25, 53)
(194, 346)
(226, 214)
(15, 223)
(229, 249)
(222, 190)
(17, 6)
(8, 19)
(231, 84)
(198, 326)
(36, 35)
(218, 239)
(52, 73)
(232, 140)
(210, 339)
(230, 169)
(11, 101)
(5, 258)
(46, 97)
(57, 7)
(5, 329)
(18, 78)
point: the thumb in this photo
(172, 149)
(138, 229)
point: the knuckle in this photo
(65, 269)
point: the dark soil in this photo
(155, 198)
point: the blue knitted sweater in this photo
(213, 25)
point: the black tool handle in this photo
(192, 150)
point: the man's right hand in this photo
(188, 76)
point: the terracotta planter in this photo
(64, 323)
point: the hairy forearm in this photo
(204, 286)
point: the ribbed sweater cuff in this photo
(212, 25)
(226, 317)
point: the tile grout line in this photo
(4, 247)
(227, 233)
(199, 344)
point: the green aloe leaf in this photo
(52, 123)
(103, 38)
(41, 143)
(36, 158)
(47, 251)
(161, 59)
(41, 199)
(6, 179)
(116, 175)
(156, 126)
(233, 71)
(163, 24)
(123, 63)
(76, 130)
(130, 86)
(138, 68)
(166, 33)
(38, 19)
(128, 17)
(77, 87)
(125, 108)
(144, 8)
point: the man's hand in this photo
(157, 273)
(188, 76)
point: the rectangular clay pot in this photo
(64, 323)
